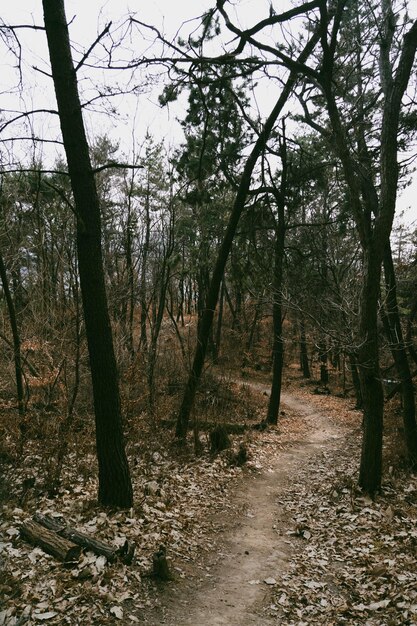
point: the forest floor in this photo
(287, 539)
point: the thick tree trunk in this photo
(371, 385)
(114, 479)
(400, 357)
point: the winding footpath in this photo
(256, 546)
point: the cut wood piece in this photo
(60, 547)
(126, 552)
(81, 539)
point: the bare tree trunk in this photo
(115, 487)
(304, 364)
(278, 344)
(355, 379)
(219, 324)
(324, 372)
(156, 328)
(258, 309)
(142, 290)
(66, 424)
(16, 338)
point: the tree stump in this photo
(241, 456)
(160, 565)
(219, 440)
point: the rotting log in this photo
(125, 553)
(81, 539)
(60, 547)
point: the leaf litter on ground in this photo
(353, 559)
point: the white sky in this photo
(134, 115)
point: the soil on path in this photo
(232, 589)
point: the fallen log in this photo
(81, 539)
(61, 548)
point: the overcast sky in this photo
(88, 18)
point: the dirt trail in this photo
(256, 546)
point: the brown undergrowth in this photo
(176, 496)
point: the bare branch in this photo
(93, 45)
(26, 114)
(20, 26)
(117, 166)
(33, 170)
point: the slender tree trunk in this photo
(355, 379)
(400, 357)
(409, 329)
(230, 304)
(181, 289)
(16, 338)
(223, 254)
(115, 487)
(66, 424)
(219, 324)
(130, 295)
(254, 324)
(304, 364)
(324, 372)
(156, 328)
(142, 290)
(278, 344)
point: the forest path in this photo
(255, 546)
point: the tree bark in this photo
(115, 487)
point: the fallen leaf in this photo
(117, 611)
